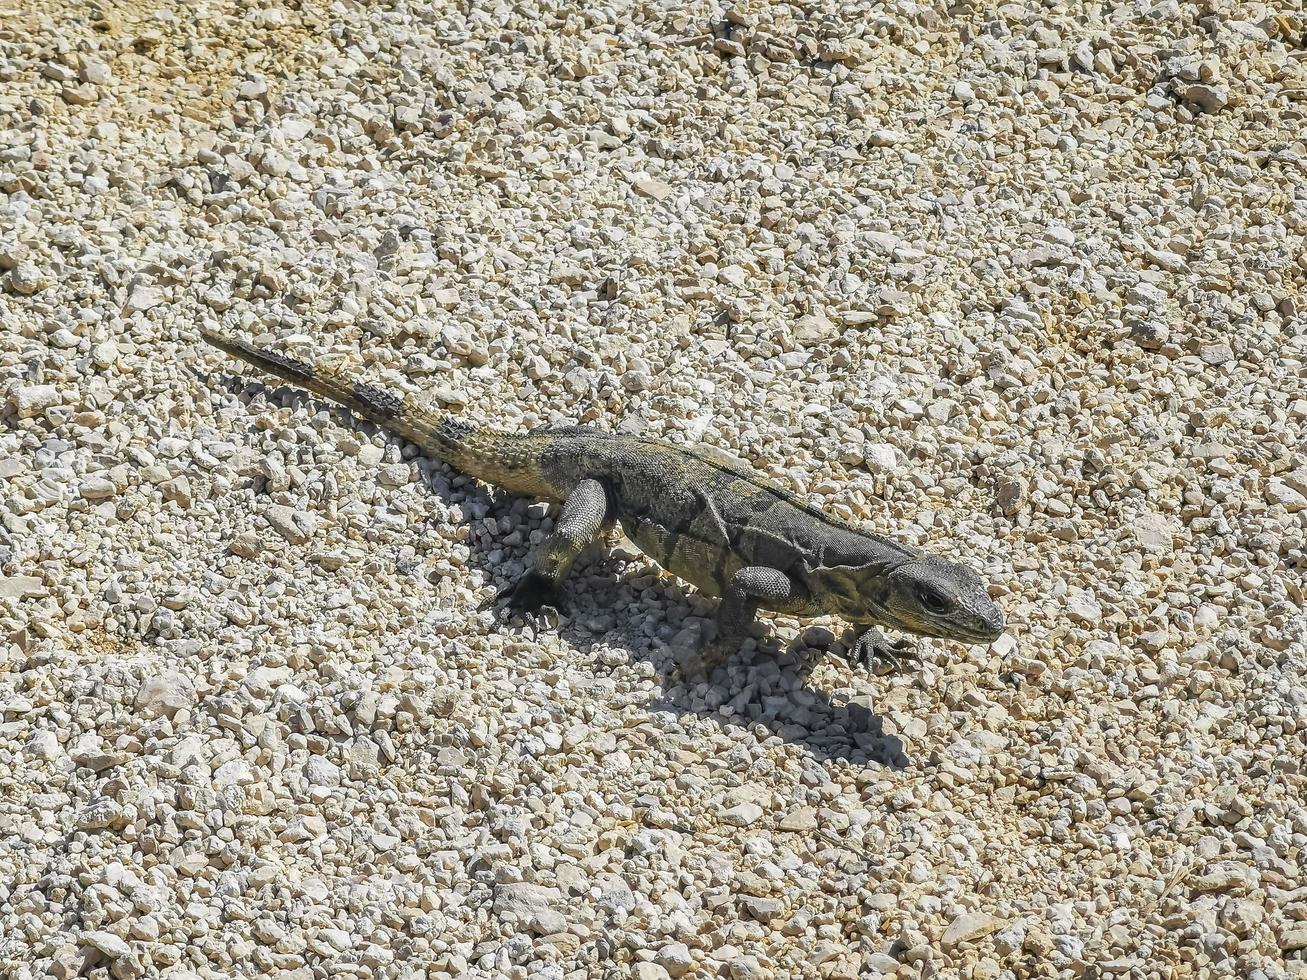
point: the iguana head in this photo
(925, 595)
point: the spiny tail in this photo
(505, 459)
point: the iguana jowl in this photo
(699, 513)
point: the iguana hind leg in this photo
(580, 522)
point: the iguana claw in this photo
(871, 649)
(528, 597)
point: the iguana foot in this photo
(877, 654)
(527, 598)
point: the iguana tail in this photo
(508, 460)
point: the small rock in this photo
(172, 447)
(1228, 876)
(801, 820)
(44, 745)
(107, 943)
(1153, 532)
(26, 279)
(1165, 260)
(274, 164)
(321, 771)
(89, 751)
(188, 751)
(408, 118)
(20, 586)
(882, 963)
(762, 908)
(234, 772)
(814, 329)
(142, 297)
(1155, 640)
(1216, 354)
(94, 72)
(99, 814)
(267, 931)
(882, 241)
(72, 961)
(1241, 916)
(164, 694)
(446, 298)
(675, 958)
(1004, 646)
(1206, 98)
(98, 488)
(84, 94)
(637, 380)
(652, 188)
(615, 894)
(246, 545)
(733, 275)
(1084, 608)
(294, 128)
(524, 900)
(880, 457)
(970, 926)
(850, 50)
(546, 922)
(1279, 492)
(743, 815)
(892, 302)
(884, 137)
(32, 400)
(1150, 334)
(1011, 493)
(859, 318)
(295, 526)
(748, 968)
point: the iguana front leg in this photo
(749, 588)
(579, 523)
(871, 648)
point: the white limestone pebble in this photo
(970, 926)
(26, 278)
(106, 942)
(20, 586)
(32, 400)
(164, 694)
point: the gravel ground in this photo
(1024, 286)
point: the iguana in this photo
(698, 512)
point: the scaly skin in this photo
(699, 513)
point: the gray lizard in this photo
(700, 513)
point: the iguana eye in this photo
(932, 601)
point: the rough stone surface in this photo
(1018, 283)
